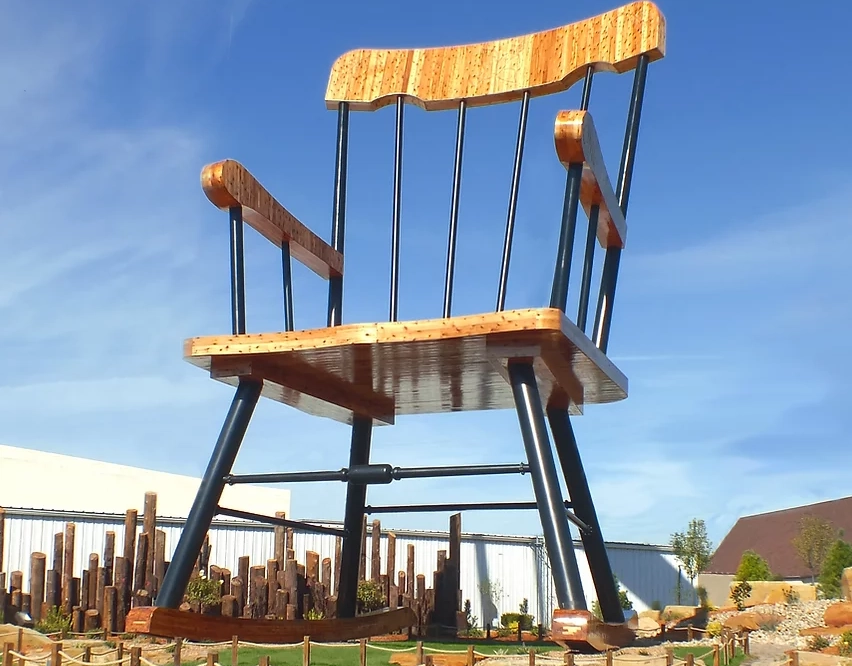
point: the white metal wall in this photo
(516, 566)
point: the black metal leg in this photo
(207, 499)
(548, 495)
(353, 519)
(584, 509)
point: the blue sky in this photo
(732, 305)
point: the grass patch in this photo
(707, 659)
(349, 656)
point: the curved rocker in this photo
(172, 623)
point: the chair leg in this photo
(548, 495)
(209, 492)
(584, 509)
(353, 519)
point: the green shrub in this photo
(741, 593)
(370, 596)
(791, 596)
(714, 628)
(701, 591)
(839, 557)
(817, 643)
(844, 645)
(753, 567)
(56, 621)
(204, 591)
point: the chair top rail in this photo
(498, 71)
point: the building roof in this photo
(39, 480)
(771, 535)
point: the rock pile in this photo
(791, 619)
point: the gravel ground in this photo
(796, 616)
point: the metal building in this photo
(515, 567)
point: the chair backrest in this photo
(509, 70)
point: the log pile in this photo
(98, 597)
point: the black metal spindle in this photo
(238, 272)
(454, 212)
(587, 88)
(397, 209)
(588, 266)
(513, 202)
(609, 276)
(562, 273)
(338, 218)
(287, 279)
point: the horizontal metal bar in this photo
(288, 477)
(458, 506)
(458, 470)
(579, 523)
(283, 522)
(379, 473)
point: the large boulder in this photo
(839, 614)
(775, 592)
(751, 621)
(846, 583)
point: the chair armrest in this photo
(228, 183)
(577, 142)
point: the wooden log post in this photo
(280, 541)
(243, 570)
(390, 571)
(122, 592)
(256, 594)
(272, 586)
(230, 606)
(149, 527)
(362, 652)
(135, 656)
(38, 563)
(239, 594)
(471, 657)
(362, 564)
(235, 650)
(306, 651)
(55, 656)
(263, 660)
(139, 569)
(609, 658)
(53, 589)
(376, 554)
(176, 658)
(58, 556)
(325, 574)
(109, 557)
(409, 573)
(716, 659)
(338, 545)
(7, 654)
(159, 559)
(418, 653)
(91, 620)
(669, 655)
(129, 552)
(110, 610)
(68, 569)
(291, 583)
(99, 590)
(690, 659)
(212, 658)
(226, 581)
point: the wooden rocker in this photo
(536, 361)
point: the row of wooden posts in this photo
(722, 654)
(113, 582)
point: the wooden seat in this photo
(418, 367)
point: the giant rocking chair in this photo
(535, 360)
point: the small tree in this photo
(692, 548)
(753, 567)
(838, 558)
(813, 541)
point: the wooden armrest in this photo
(576, 141)
(228, 183)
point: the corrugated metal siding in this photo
(516, 566)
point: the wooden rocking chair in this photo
(536, 361)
